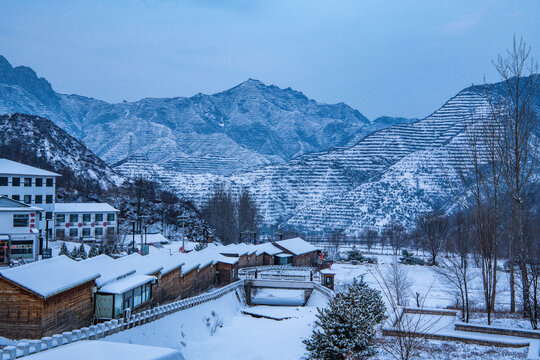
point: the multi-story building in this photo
(30, 185)
(19, 235)
(86, 221)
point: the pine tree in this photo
(93, 252)
(346, 328)
(64, 250)
(82, 252)
(74, 254)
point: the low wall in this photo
(496, 330)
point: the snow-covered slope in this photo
(398, 172)
(248, 126)
(21, 135)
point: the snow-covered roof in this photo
(50, 277)
(238, 249)
(83, 207)
(283, 255)
(126, 284)
(153, 238)
(106, 350)
(167, 261)
(10, 205)
(144, 265)
(297, 246)
(8, 167)
(328, 272)
(109, 269)
(267, 248)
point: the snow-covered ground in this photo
(241, 336)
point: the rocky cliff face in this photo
(248, 126)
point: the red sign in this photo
(80, 224)
(67, 224)
(104, 224)
(32, 214)
(31, 226)
(92, 224)
(32, 220)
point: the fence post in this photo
(36, 344)
(48, 342)
(24, 347)
(59, 339)
(77, 335)
(10, 351)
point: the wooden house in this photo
(302, 253)
(45, 298)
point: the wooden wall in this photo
(188, 284)
(20, 312)
(69, 310)
(243, 261)
(170, 286)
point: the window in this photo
(104, 306)
(48, 199)
(73, 232)
(20, 220)
(3, 181)
(16, 197)
(48, 215)
(27, 199)
(27, 182)
(98, 231)
(86, 232)
(60, 233)
(328, 280)
(39, 182)
(110, 230)
(38, 199)
(110, 217)
(16, 181)
(60, 219)
(128, 299)
(49, 182)
(73, 218)
(137, 296)
(99, 217)
(22, 249)
(86, 218)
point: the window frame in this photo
(21, 220)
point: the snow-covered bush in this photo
(355, 256)
(93, 252)
(82, 252)
(407, 258)
(64, 249)
(213, 322)
(346, 328)
(74, 253)
(199, 247)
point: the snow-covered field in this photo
(240, 337)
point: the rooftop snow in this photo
(267, 248)
(110, 269)
(126, 284)
(15, 168)
(50, 277)
(106, 350)
(83, 207)
(297, 246)
(144, 265)
(238, 249)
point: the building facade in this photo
(85, 221)
(30, 185)
(19, 234)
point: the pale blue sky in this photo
(398, 58)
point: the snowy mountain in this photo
(398, 172)
(248, 126)
(29, 139)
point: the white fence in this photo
(107, 328)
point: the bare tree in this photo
(248, 213)
(369, 237)
(435, 226)
(336, 240)
(395, 235)
(219, 212)
(515, 117)
(454, 267)
(408, 332)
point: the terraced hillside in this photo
(398, 172)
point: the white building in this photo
(85, 220)
(19, 235)
(30, 185)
